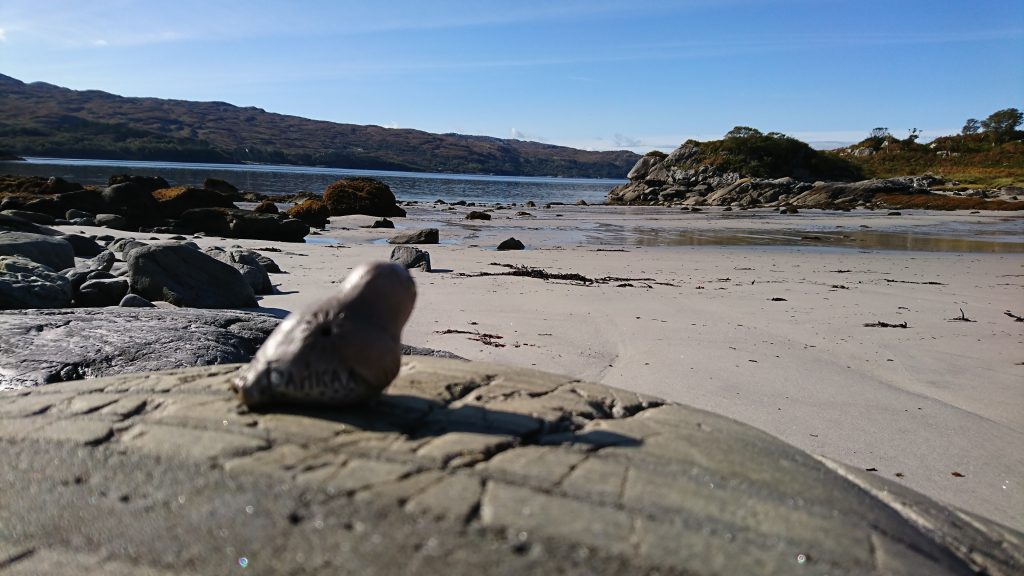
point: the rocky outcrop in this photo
(44, 346)
(459, 468)
(185, 276)
(361, 196)
(676, 179)
(143, 203)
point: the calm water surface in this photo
(268, 179)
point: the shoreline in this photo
(698, 325)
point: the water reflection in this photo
(998, 242)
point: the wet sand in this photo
(754, 315)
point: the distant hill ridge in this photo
(41, 119)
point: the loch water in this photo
(270, 179)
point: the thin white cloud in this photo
(3, 35)
(517, 134)
(100, 42)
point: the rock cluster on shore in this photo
(679, 179)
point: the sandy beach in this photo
(709, 310)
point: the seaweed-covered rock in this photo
(361, 196)
(312, 211)
(266, 207)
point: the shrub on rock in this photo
(361, 196)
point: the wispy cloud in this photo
(3, 35)
(517, 134)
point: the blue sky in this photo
(596, 74)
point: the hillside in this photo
(40, 119)
(971, 160)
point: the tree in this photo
(880, 132)
(972, 126)
(1002, 124)
(913, 135)
(742, 132)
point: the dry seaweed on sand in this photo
(912, 282)
(483, 338)
(541, 274)
(885, 325)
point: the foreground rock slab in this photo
(460, 468)
(44, 346)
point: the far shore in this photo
(758, 316)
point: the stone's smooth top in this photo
(342, 351)
(460, 468)
(56, 253)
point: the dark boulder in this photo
(133, 201)
(477, 215)
(50, 251)
(148, 183)
(361, 196)
(83, 246)
(34, 217)
(425, 236)
(49, 205)
(102, 292)
(382, 223)
(174, 201)
(28, 284)
(184, 276)
(90, 201)
(222, 187)
(45, 346)
(411, 257)
(237, 223)
(511, 244)
(14, 224)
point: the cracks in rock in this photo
(10, 560)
